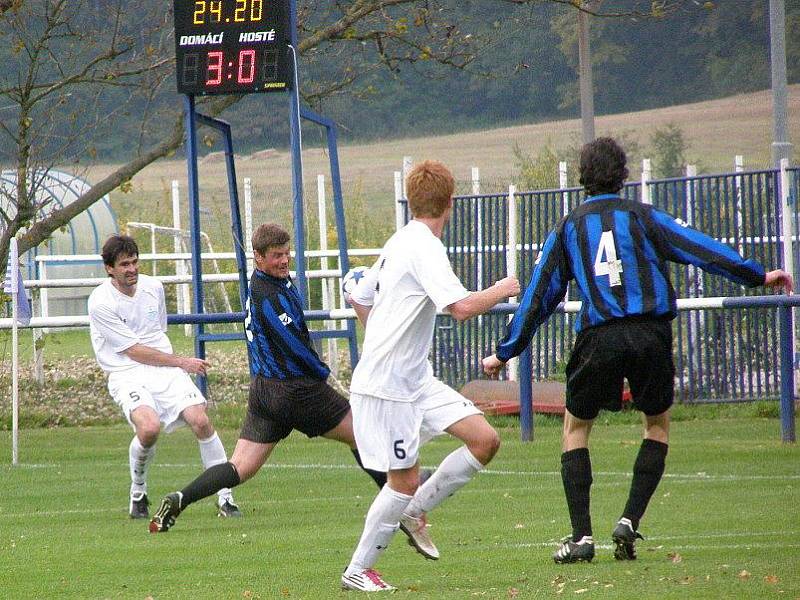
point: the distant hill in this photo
(715, 130)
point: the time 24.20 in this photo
(208, 12)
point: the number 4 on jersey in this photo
(611, 266)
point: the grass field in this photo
(723, 524)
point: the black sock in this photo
(576, 473)
(647, 472)
(210, 481)
(379, 477)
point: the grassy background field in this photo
(723, 523)
(715, 131)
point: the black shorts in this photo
(638, 349)
(276, 406)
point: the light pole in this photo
(781, 147)
(585, 78)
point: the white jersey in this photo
(411, 280)
(118, 321)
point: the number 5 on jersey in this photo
(611, 266)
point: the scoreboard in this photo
(232, 46)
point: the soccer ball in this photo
(351, 279)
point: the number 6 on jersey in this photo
(611, 266)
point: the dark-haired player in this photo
(127, 323)
(617, 252)
(288, 386)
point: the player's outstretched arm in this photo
(151, 356)
(478, 303)
(779, 279)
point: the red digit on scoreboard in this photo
(247, 66)
(214, 67)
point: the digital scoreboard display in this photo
(232, 46)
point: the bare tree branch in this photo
(58, 58)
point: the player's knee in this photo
(486, 445)
(197, 418)
(493, 443)
(147, 432)
(201, 426)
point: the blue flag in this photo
(19, 295)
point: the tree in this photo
(68, 58)
(669, 151)
(73, 53)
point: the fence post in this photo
(182, 293)
(786, 314)
(693, 334)
(738, 166)
(248, 222)
(563, 183)
(647, 175)
(407, 164)
(511, 263)
(44, 304)
(476, 203)
(153, 249)
(327, 284)
(476, 180)
(38, 349)
(399, 219)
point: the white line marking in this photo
(655, 539)
(701, 476)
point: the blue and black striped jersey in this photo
(617, 251)
(277, 337)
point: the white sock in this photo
(139, 459)
(383, 520)
(212, 452)
(453, 473)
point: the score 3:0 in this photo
(246, 71)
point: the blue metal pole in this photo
(236, 220)
(297, 164)
(787, 375)
(194, 227)
(526, 396)
(338, 207)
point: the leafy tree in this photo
(537, 172)
(669, 151)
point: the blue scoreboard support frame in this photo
(296, 112)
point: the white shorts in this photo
(167, 390)
(389, 433)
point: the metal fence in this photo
(720, 355)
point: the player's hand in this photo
(779, 279)
(510, 286)
(492, 366)
(195, 366)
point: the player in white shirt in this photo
(127, 324)
(397, 403)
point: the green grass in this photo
(723, 524)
